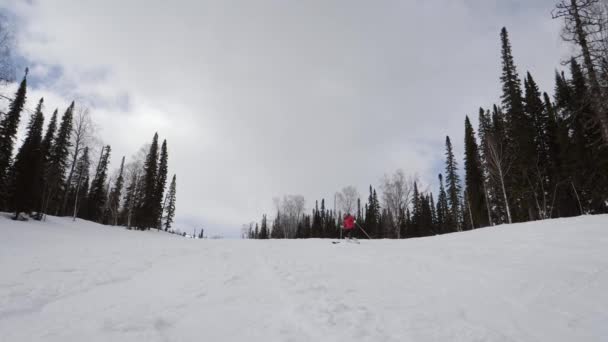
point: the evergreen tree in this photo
(146, 217)
(56, 165)
(416, 219)
(47, 141)
(519, 134)
(372, 213)
(536, 111)
(115, 194)
(453, 188)
(8, 130)
(264, 228)
(161, 181)
(26, 172)
(474, 178)
(442, 209)
(170, 209)
(587, 160)
(98, 194)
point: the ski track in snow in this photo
(73, 281)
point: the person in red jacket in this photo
(349, 225)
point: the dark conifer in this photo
(56, 165)
(8, 130)
(453, 188)
(27, 169)
(170, 207)
(474, 179)
(115, 195)
(161, 182)
(146, 217)
(98, 193)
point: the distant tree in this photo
(115, 195)
(170, 207)
(453, 188)
(442, 209)
(396, 194)
(264, 234)
(347, 199)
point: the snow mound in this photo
(79, 281)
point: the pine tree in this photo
(519, 133)
(474, 179)
(47, 141)
(161, 182)
(98, 194)
(587, 159)
(56, 165)
(442, 209)
(170, 209)
(8, 131)
(115, 195)
(26, 171)
(535, 110)
(453, 188)
(264, 228)
(146, 217)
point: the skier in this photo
(348, 225)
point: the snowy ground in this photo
(64, 281)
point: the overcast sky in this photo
(263, 98)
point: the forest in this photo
(534, 156)
(63, 170)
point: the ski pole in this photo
(363, 230)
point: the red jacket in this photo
(349, 222)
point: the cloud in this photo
(262, 98)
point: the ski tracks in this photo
(315, 307)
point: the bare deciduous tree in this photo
(499, 165)
(291, 209)
(586, 25)
(347, 199)
(83, 134)
(397, 192)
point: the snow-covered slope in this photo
(79, 281)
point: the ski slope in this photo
(79, 281)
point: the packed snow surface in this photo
(79, 281)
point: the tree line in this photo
(533, 157)
(54, 172)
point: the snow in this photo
(79, 281)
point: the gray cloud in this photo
(261, 98)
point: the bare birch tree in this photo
(397, 192)
(83, 135)
(347, 199)
(499, 166)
